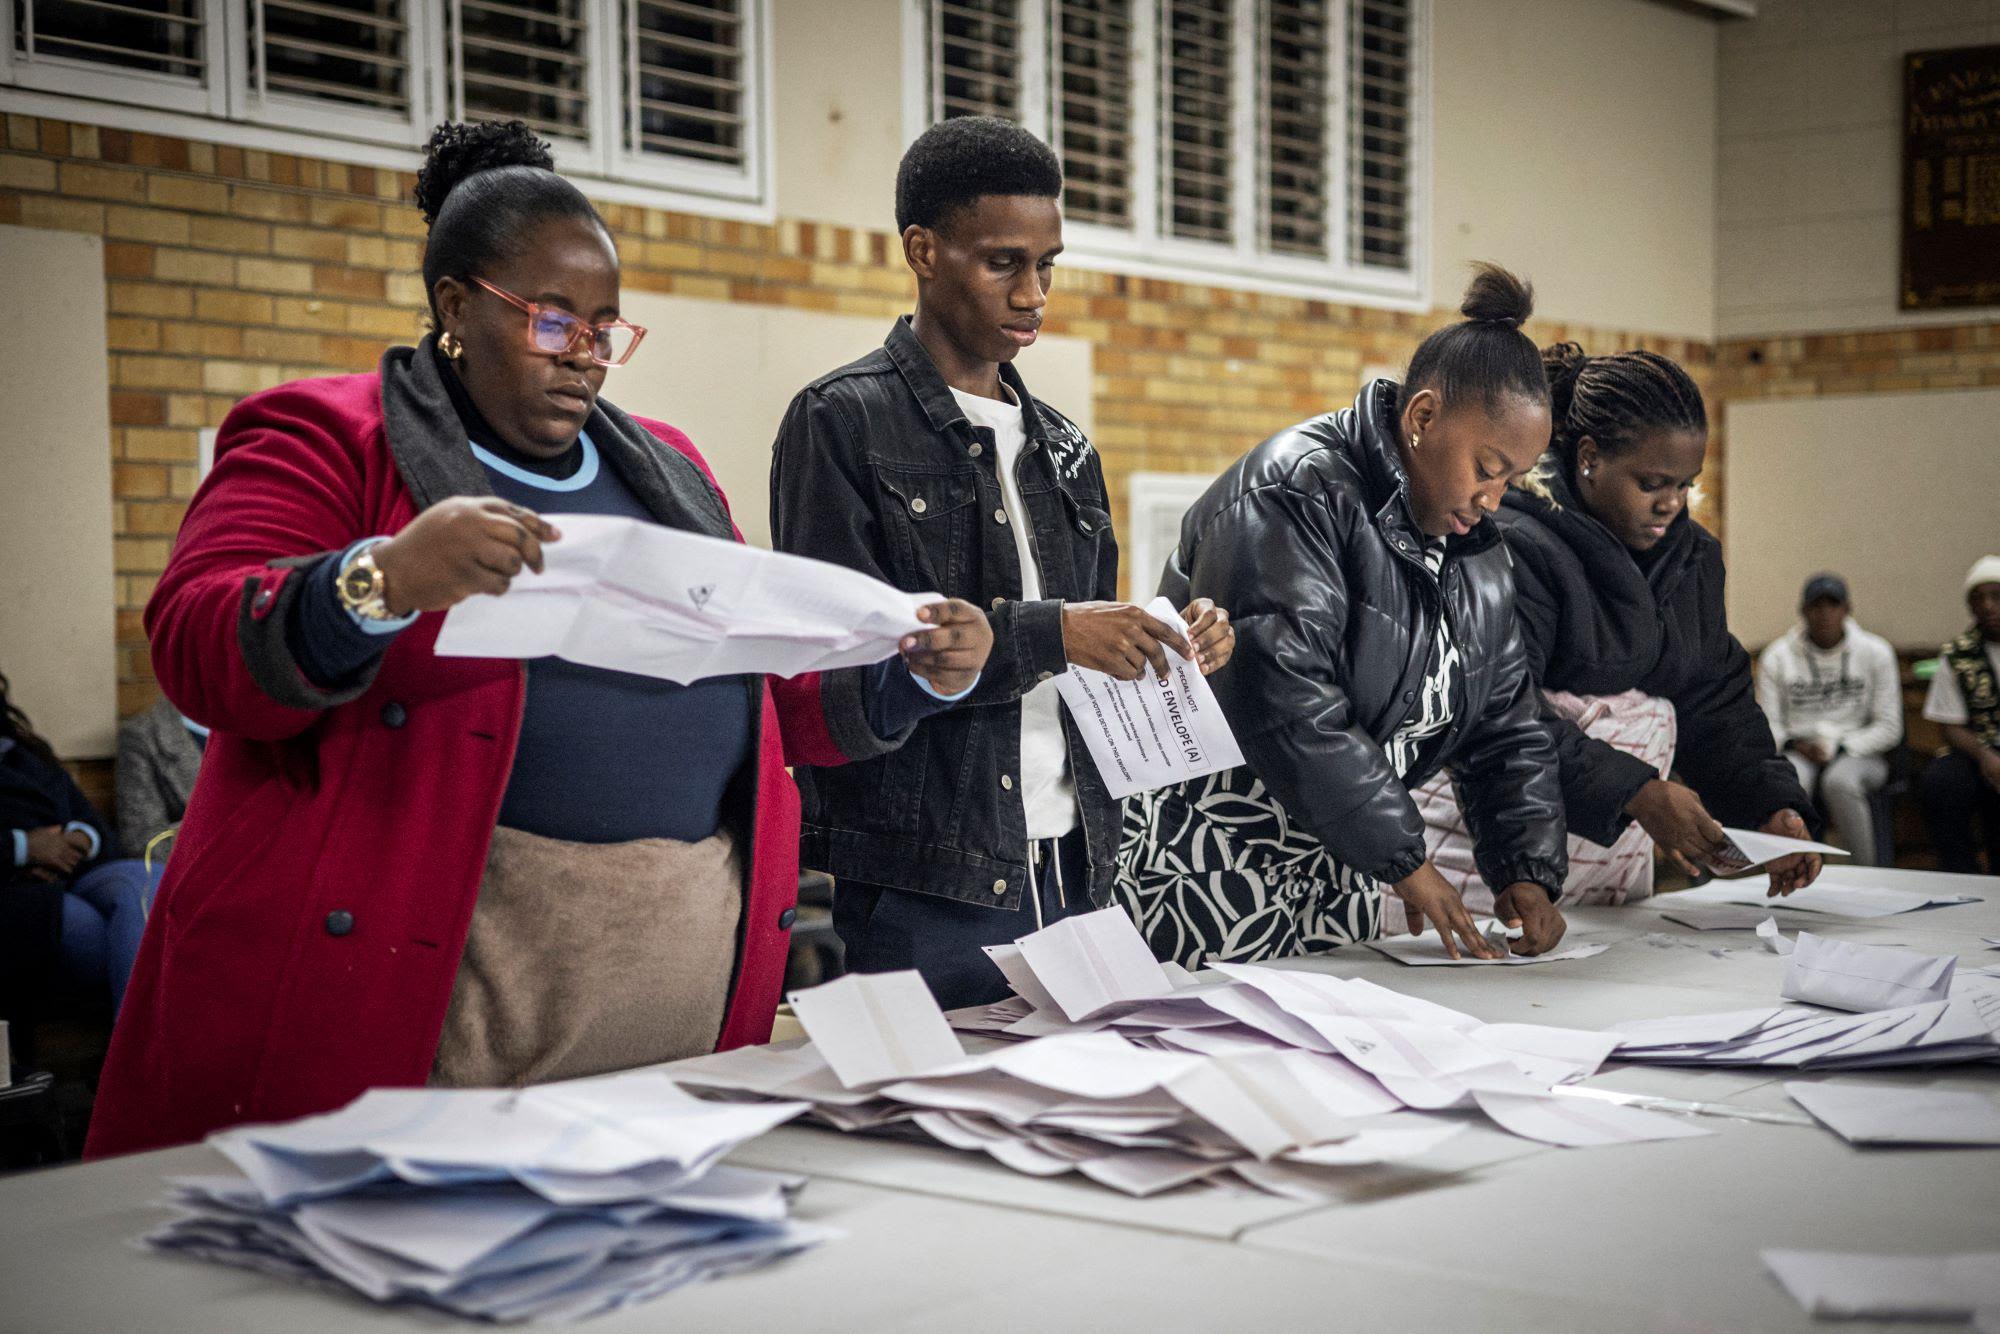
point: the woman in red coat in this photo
(399, 868)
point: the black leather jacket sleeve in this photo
(1508, 784)
(822, 503)
(1726, 751)
(1598, 779)
(1273, 557)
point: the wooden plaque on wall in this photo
(1951, 178)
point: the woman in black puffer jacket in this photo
(1376, 644)
(1621, 605)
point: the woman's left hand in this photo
(1798, 870)
(951, 655)
(1209, 630)
(1526, 904)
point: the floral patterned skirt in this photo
(1216, 870)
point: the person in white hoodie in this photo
(1835, 703)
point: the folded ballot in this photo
(1840, 891)
(1845, 975)
(551, 1203)
(637, 597)
(1934, 1032)
(1142, 1078)
(1751, 847)
(1148, 733)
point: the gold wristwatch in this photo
(364, 589)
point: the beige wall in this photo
(1575, 140)
(1814, 484)
(839, 111)
(1811, 159)
(57, 590)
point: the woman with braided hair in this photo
(1619, 593)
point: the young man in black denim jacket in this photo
(927, 464)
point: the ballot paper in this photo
(1942, 1032)
(1894, 1114)
(638, 597)
(1774, 940)
(1749, 847)
(1847, 975)
(553, 1203)
(1150, 732)
(1427, 950)
(1889, 1287)
(1143, 1079)
(1848, 897)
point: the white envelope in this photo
(1845, 975)
(1750, 847)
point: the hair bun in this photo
(1496, 296)
(456, 151)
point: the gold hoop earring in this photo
(1414, 439)
(449, 345)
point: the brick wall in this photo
(229, 271)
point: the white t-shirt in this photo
(1946, 702)
(1048, 796)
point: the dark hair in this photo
(957, 161)
(15, 724)
(1614, 400)
(1485, 355)
(482, 189)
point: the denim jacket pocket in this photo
(929, 520)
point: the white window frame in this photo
(1149, 496)
(224, 110)
(1145, 250)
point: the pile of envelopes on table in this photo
(1142, 1077)
(550, 1203)
(1938, 1032)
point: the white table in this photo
(1660, 1236)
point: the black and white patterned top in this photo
(1215, 869)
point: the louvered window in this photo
(1381, 52)
(975, 64)
(354, 52)
(1197, 110)
(1091, 74)
(1293, 171)
(151, 36)
(688, 80)
(524, 60)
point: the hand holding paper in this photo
(1150, 732)
(637, 597)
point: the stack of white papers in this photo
(1834, 898)
(637, 597)
(1846, 975)
(551, 1203)
(1150, 732)
(1143, 1078)
(1932, 1033)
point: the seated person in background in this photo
(1835, 704)
(1619, 591)
(1964, 783)
(51, 835)
(159, 753)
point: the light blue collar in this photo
(585, 474)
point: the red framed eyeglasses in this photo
(555, 332)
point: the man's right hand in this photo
(54, 850)
(1119, 639)
(458, 547)
(1676, 820)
